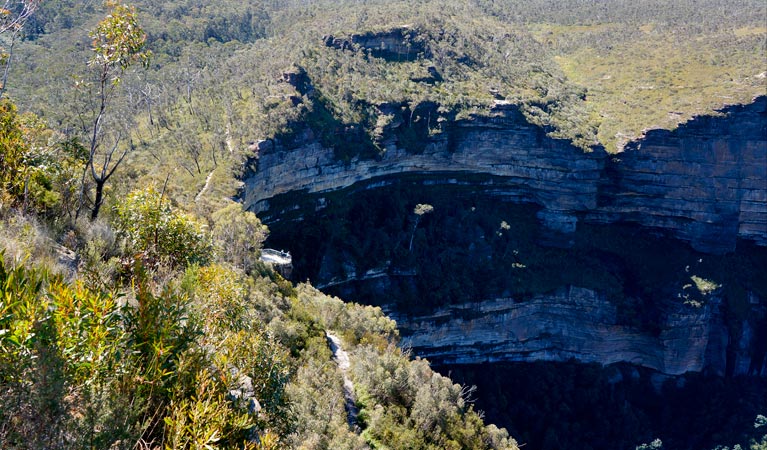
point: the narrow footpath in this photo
(342, 359)
(204, 188)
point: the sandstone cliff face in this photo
(705, 182)
(396, 44)
(530, 166)
(574, 323)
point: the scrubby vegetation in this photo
(594, 73)
(153, 324)
(146, 332)
(158, 328)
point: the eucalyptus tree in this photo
(118, 43)
(13, 15)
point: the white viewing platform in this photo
(282, 261)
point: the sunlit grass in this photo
(656, 82)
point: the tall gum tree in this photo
(13, 15)
(118, 43)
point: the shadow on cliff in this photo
(704, 181)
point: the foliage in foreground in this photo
(161, 338)
(87, 368)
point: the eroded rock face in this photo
(705, 182)
(397, 44)
(525, 164)
(571, 323)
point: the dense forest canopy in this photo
(588, 71)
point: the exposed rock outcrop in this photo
(573, 323)
(705, 182)
(342, 359)
(398, 44)
(281, 261)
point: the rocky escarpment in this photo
(525, 163)
(705, 182)
(579, 324)
(398, 44)
(509, 283)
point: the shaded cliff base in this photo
(571, 406)
(477, 233)
(477, 246)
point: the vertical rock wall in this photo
(705, 182)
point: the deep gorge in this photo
(538, 252)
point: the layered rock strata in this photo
(705, 182)
(578, 324)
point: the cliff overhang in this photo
(705, 182)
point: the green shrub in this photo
(407, 405)
(206, 419)
(239, 236)
(159, 233)
(12, 150)
(38, 169)
(62, 362)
